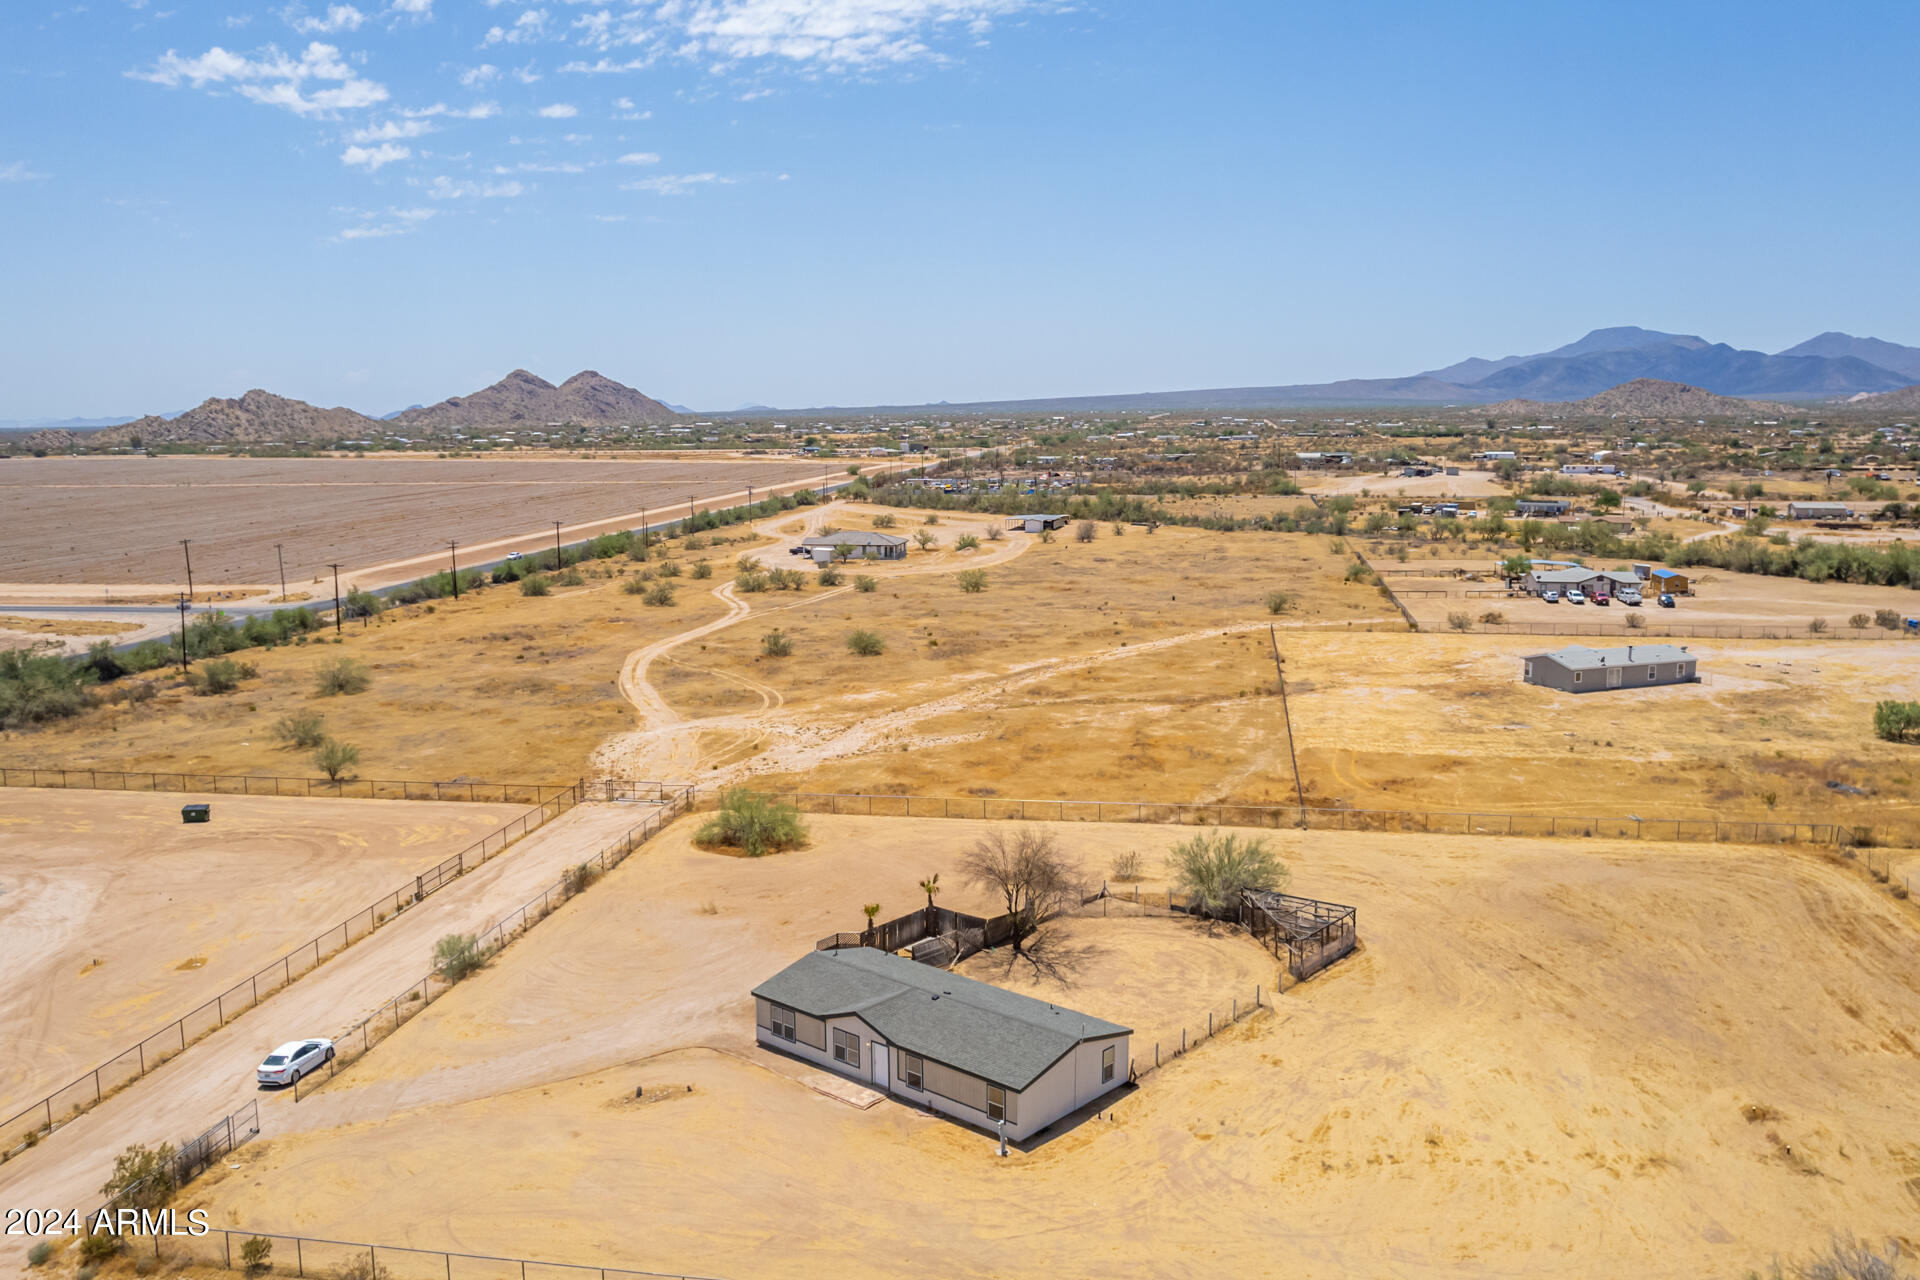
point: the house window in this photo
(781, 1021)
(1653, 673)
(1576, 677)
(996, 1102)
(846, 1047)
(915, 1069)
(1529, 671)
(1106, 1065)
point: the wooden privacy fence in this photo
(301, 1256)
(957, 935)
(1406, 821)
(26, 1126)
(248, 784)
(354, 1043)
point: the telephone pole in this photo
(453, 549)
(184, 605)
(189, 555)
(556, 546)
(689, 528)
(1299, 794)
(281, 556)
(336, 598)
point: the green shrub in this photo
(91, 1269)
(342, 676)
(967, 542)
(335, 759)
(456, 955)
(865, 643)
(1460, 621)
(1860, 621)
(38, 1255)
(221, 675)
(35, 690)
(571, 578)
(302, 729)
(634, 586)
(535, 585)
(751, 581)
(830, 576)
(702, 570)
(1896, 721)
(1279, 601)
(145, 1175)
(256, 1254)
(786, 579)
(1888, 618)
(973, 581)
(755, 823)
(775, 644)
(659, 596)
(1215, 868)
(361, 604)
(669, 569)
(865, 583)
(884, 522)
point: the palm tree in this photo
(931, 887)
(872, 909)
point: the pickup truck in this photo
(1602, 599)
(1629, 598)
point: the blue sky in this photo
(856, 201)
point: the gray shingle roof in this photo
(1000, 1036)
(1551, 576)
(1578, 657)
(853, 538)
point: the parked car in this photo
(293, 1060)
(513, 556)
(1629, 598)
(1551, 597)
(1600, 598)
(1576, 596)
(1666, 601)
(796, 550)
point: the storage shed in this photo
(1035, 523)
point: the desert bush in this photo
(361, 1269)
(97, 1246)
(830, 576)
(256, 1255)
(967, 542)
(1494, 617)
(90, 1270)
(884, 522)
(933, 517)
(149, 1169)
(865, 583)
(754, 823)
(341, 676)
(1860, 621)
(636, 586)
(752, 581)
(669, 569)
(1280, 601)
(302, 729)
(37, 689)
(456, 955)
(39, 1254)
(1357, 572)
(786, 579)
(1460, 621)
(1896, 721)
(1119, 529)
(335, 758)
(1844, 1258)
(577, 878)
(867, 644)
(1888, 618)
(701, 570)
(1636, 622)
(1214, 868)
(775, 644)
(1085, 531)
(996, 534)
(146, 1266)
(1046, 535)
(925, 539)
(973, 581)
(1817, 626)
(659, 595)
(535, 585)
(221, 675)
(1126, 866)
(361, 604)
(572, 578)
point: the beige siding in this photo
(760, 1018)
(958, 1086)
(810, 1031)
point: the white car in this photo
(1576, 596)
(291, 1061)
(513, 556)
(1551, 597)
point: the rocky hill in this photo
(1641, 398)
(1905, 400)
(257, 417)
(521, 398)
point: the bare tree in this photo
(1027, 867)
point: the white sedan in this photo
(289, 1062)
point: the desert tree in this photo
(335, 758)
(1030, 872)
(1214, 869)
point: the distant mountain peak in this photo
(588, 398)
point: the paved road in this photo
(214, 1077)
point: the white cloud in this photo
(605, 67)
(388, 130)
(272, 78)
(339, 17)
(417, 9)
(478, 111)
(234, 21)
(639, 157)
(675, 184)
(474, 77)
(371, 158)
(528, 166)
(18, 172)
(560, 111)
(531, 25)
(609, 217)
(832, 33)
(374, 226)
(445, 188)
(526, 74)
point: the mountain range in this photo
(521, 398)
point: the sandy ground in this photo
(1468, 484)
(116, 918)
(1547, 1059)
(121, 519)
(215, 1075)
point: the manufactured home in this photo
(968, 1050)
(1578, 669)
(855, 544)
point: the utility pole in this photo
(281, 556)
(689, 528)
(452, 554)
(336, 598)
(556, 546)
(1299, 793)
(184, 605)
(189, 555)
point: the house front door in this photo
(877, 1055)
(1613, 677)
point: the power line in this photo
(1299, 793)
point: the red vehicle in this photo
(1602, 600)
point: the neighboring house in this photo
(1493, 455)
(1542, 507)
(963, 1048)
(1819, 511)
(1323, 459)
(1670, 582)
(1578, 669)
(1604, 581)
(1035, 523)
(1589, 469)
(860, 544)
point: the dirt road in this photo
(215, 1076)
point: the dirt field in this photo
(120, 520)
(1548, 1058)
(1468, 484)
(116, 918)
